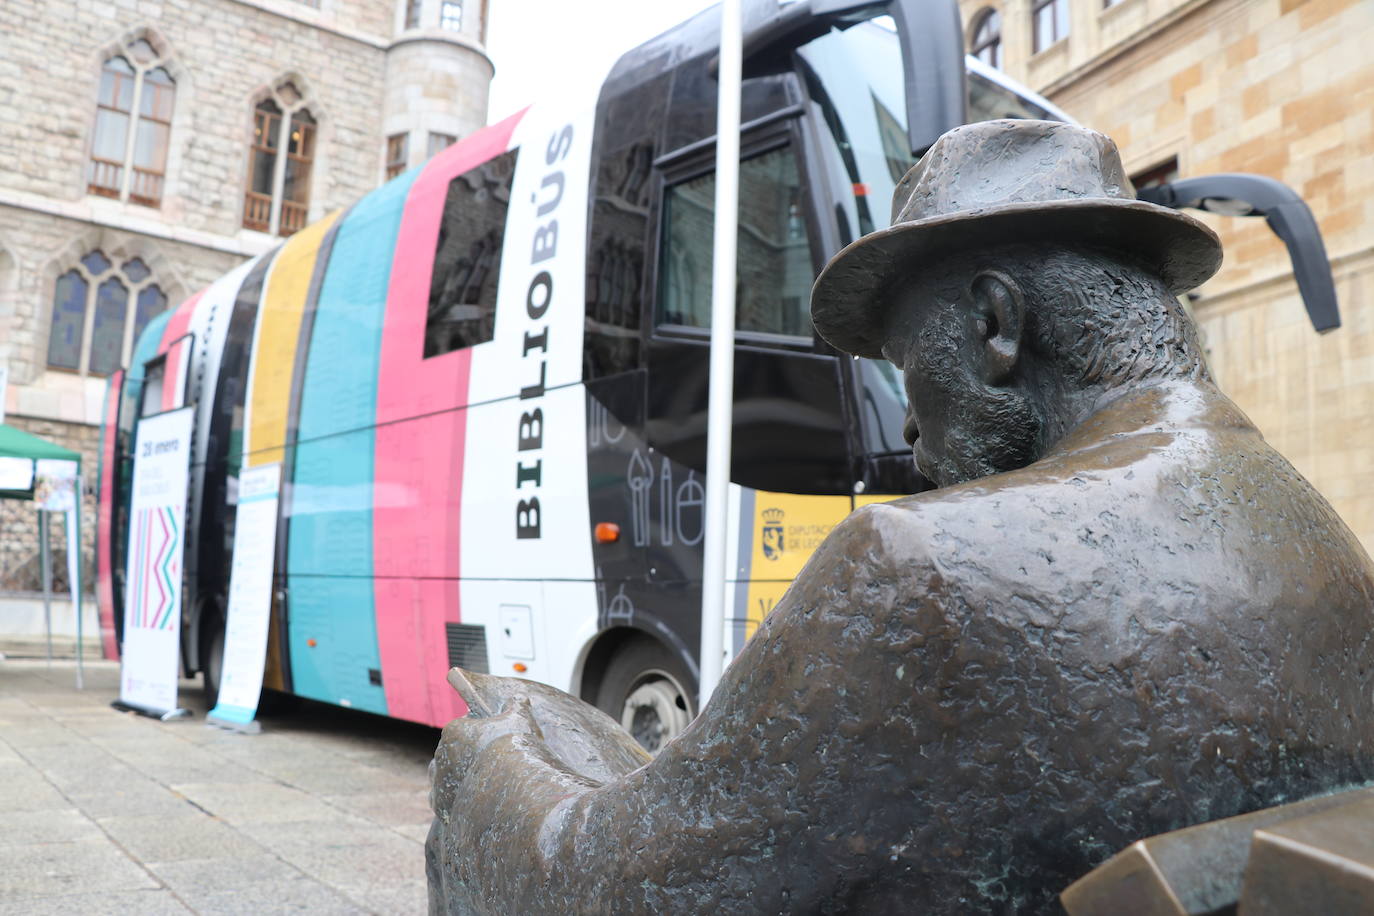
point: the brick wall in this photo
(1282, 88)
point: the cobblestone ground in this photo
(109, 812)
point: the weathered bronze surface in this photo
(1212, 867)
(1122, 613)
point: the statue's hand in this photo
(541, 730)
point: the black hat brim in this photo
(850, 298)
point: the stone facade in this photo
(363, 70)
(1282, 88)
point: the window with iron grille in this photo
(281, 158)
(133, 126)
(100, 306)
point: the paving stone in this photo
(353, 853)
(391, 809)
(22, 788)
(277, 898)
(103, 812)
(137, 796)
(211, 875)
(407, 898)
(30, 828)
(162, 838)
(118, 903)
(64, 868)
(257, 802)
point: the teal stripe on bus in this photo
(330, 536)
(145, 348)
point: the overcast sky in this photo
(536, 42)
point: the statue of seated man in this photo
(1120, 613)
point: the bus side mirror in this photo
(1238, 194)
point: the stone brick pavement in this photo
(109, 812)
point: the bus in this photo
(486, 381)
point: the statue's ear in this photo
(999, 315)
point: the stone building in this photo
(151, 145)
(1283, 88)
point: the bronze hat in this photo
(996, 182)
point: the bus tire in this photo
(212, 657)
(649, 692)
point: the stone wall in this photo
(224, 56)
(1282, 88)
(221, 56)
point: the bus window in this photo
(987, 101)
(467, 258)
(883, 407)
(774, 262)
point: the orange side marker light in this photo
(310, 643)
(607, 532)
(520, 667)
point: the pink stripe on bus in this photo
(104, 520)
(172, 380)
(421, 434)
(179, 323)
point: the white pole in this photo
(720, 409)
(44, 552)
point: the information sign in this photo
(250, 598)
(152, 604)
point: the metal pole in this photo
(45, 555)
(74, 574)
(720, 407)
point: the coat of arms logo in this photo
(773, 544)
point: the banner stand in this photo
(250, 600)
(250, 726)
(151, 654)
(163, 715)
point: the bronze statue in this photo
(1121, 613)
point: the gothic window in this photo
(1050, 22)
(99, 309)
(133, 124)
(451, 15)
(987, 38)
(280, 160)
(397, 151)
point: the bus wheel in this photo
(212, 660)
(646, 689)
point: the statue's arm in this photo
(766, 774)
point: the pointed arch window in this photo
(987, 38)
(99, 309)
(133, 126)
(280, 163)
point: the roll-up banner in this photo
(152, 603)
(250, 599)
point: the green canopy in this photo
(15, 443)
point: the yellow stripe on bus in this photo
(279, 328)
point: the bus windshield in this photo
(857, 99)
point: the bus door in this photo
(789, 424)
